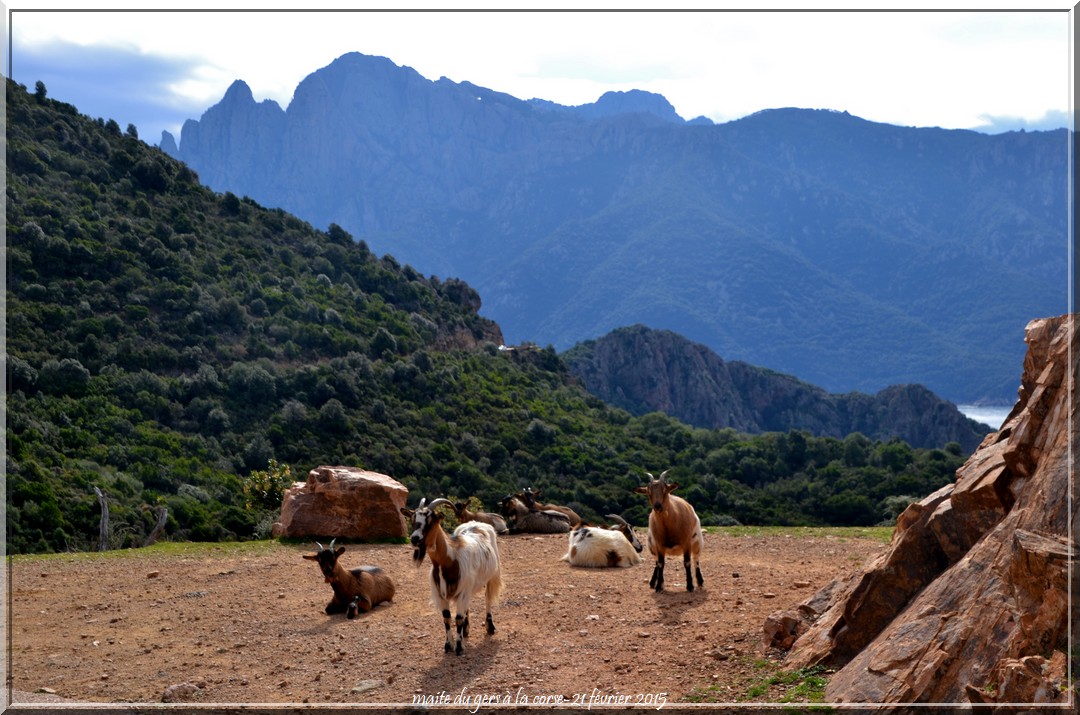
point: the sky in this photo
(979, 67)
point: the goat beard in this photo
(419, 552)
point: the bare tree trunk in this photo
(163, 514)
(103, 528)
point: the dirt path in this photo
(249, 627)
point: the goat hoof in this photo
(447, 648)
(459, 650)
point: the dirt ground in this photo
(246, 625)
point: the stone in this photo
(782, 628)
(970, 604)
(343, 502)
(180, 692)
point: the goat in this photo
(461, 509)
(461, 564)
(599, 547)
(523, 520)
(529, 497)
(674, 528)
(359, 589)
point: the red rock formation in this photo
(343, 502)
(970, 602)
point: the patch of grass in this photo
(168, 549)
(799, 687)
(882, 534)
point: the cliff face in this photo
(971, 602)
(643, 370)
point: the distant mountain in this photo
(612, 104)
(643, 370)
(856, 255)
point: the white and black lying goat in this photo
(355, 590)
(597, 547)
(674, 528)
(462, 563)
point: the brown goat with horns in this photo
(355, 590)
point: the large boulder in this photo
(970, 603)
(343, 502)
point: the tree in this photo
(39, 91)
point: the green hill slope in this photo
(166, 342)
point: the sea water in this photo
(993, 415)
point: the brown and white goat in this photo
(355, 590)
(599, 547)
(674, 528)
(529, 497)
(461, 509)
(522, 520)
(461, 563)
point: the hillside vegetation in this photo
(166, 342)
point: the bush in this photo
(265, 489)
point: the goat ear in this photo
(339, 551)
(641, 490)
(407, 512)
(310, 557)
(670, 487)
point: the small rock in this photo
(365, 685)
(179, 692)
(801, 584)
(153, 574)
(734, 574)
(768, 594)
(644, 634)
(46, 691)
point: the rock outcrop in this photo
(343, 502)
(643, 370)
(970, 603)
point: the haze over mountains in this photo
(852, 254)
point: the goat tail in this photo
(494, 589)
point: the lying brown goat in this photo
(359, 589)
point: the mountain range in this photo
(854, 254)
(188, 353)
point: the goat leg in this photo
(697, 570)
(446, 623)
(657, 580)
(459, 621)
(686, 565)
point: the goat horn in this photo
(617, 519)
(650, 476)
(320, 546)
(664, 473)
(421, 504)
(331, 547)
(439, 502)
